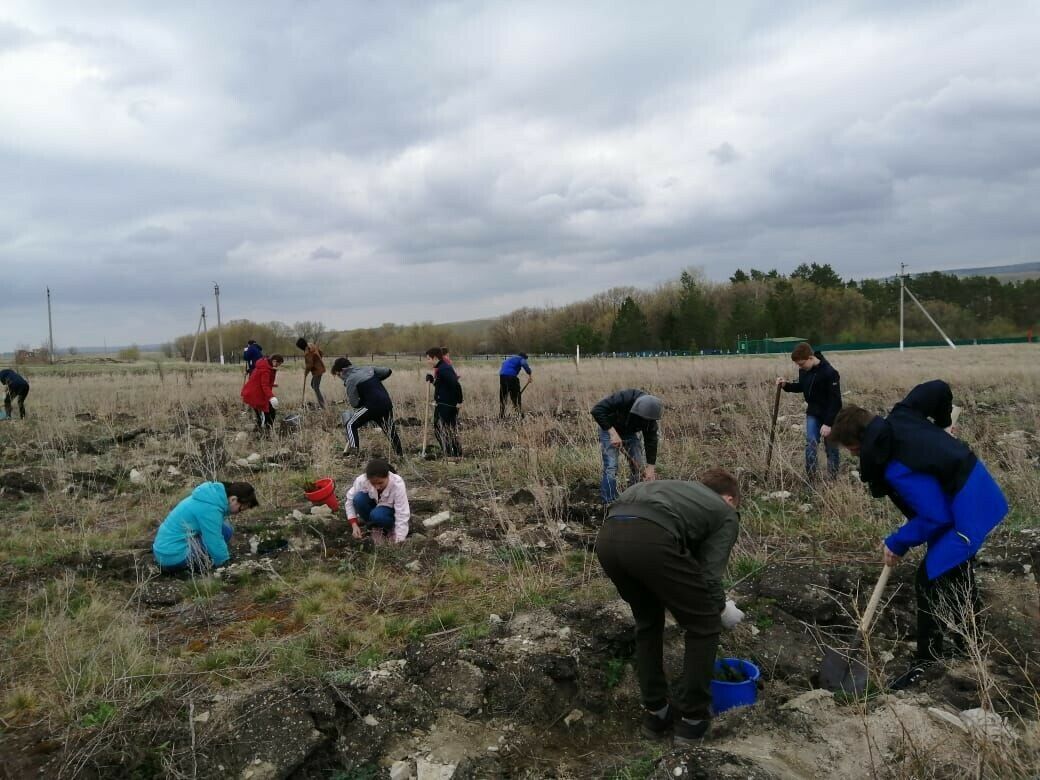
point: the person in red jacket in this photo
(258, 391)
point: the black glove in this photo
(429, 378)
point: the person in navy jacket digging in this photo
(948, 497)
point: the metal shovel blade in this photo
(843, 670)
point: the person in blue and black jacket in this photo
(948, 497)
(509, 382)
(819, 382)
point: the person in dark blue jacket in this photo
(509, 382)
(194, 536)
(447, 397)
(820, 384)
(15, 386)
(950, 501)
(621, 417)
(252, 353)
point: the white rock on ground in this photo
(253, 457)
(137, 477)
(401, 770)
(817, 698)
(429, 770)
(947, 718)
(985, 724)
(321, 511)
(780, 495)
(297, 515)
(437, 519)
(573, 717)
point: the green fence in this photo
(785, 345)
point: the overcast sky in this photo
(364, 162)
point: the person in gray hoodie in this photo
(370, 401)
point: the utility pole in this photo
(220, 332)
(50, 327)
(902, 288)
(903, 291)
(205, 332)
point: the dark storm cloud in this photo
(498, 154)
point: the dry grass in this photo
(83, 654)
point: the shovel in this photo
(843, 669)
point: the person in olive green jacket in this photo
(665, 545)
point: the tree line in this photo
(690, 313)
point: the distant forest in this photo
(690, 313)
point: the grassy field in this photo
(103, 664)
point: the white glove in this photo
(274, 403)
(731, 615)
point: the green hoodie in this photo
(703, 523)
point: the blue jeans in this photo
(812, 443)
(197, 560)
(371, 515)
(608, 485)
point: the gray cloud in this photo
(500, 154)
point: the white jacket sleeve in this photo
(402, 512)
(348, 499)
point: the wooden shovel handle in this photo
(875, 598)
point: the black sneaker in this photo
(654, 726)
(690, 732)
(910, 677)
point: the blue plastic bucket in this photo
(727, 695)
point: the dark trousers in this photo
(508, 387)
(652, 573)
(446, 428)
(17, 392)
(316, 387)
(264, 420)
(384, 418)
(952, 597)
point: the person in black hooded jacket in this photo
(950, 500)
(819, 382)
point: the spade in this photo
(843, 669)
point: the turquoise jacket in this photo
(201, 515)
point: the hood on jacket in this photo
(212, 493)
(649, 407)
(874, 454)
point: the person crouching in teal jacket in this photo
(194, 536)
